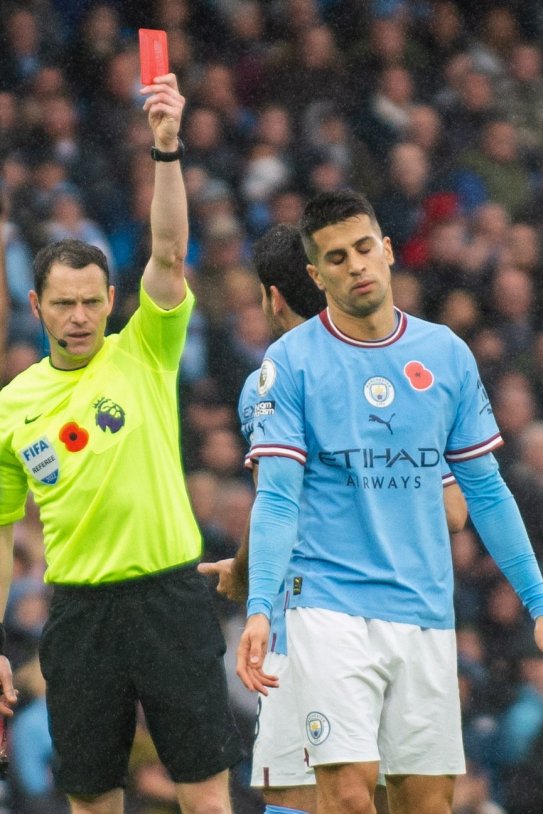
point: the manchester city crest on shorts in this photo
(379, 391)
(41, 461)
(268, 374)
(317, 727)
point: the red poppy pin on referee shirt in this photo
(73, 436)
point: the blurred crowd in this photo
(434, 108)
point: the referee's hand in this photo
(8, 698)
(252, 650)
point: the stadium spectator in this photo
(525, 480)
(520, 97)
(515, 407)
(494, 170)
(383, 118)
(400, 207)
(465, 116)
(459, 310)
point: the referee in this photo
(92, 432)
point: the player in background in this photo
(367, 401)
(289, 298)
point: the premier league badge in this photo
(267, 376)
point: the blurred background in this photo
(434, 108)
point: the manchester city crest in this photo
(379, 391)
(317, 727)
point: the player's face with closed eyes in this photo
(352, 265)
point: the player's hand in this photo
(538, 632)
(8, 698)
(229, 584)
(252, 649)
(164, 106)
(221, 569)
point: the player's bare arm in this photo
(456, 508)
(232, 572)
(8, 695)
(164, 275)
(538, 632)
(239, 584)
(221, 569)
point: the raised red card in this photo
(153, 54)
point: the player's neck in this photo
(291, 320)
(374, 326)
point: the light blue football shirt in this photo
(372, 423)
(253, 410)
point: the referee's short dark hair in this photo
(328, 208)
(73, 253)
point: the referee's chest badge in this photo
(317, 727)
(41, 461)
(379, 391)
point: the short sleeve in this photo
(279, 409)
(157, 335)
(13, 486)
(474, 431)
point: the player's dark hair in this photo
(73, 253)
(279, 259)
(328, 208)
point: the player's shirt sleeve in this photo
(246, 412)
(279, 426)
(13, 483)
(447, 477)
(474, 431)
(274, 526)
(156, 335)
(495, 515)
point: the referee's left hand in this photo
(252, 650)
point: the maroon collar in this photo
(399, 330)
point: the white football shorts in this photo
(369, 690)
(278, 753)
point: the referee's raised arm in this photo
(164, 275)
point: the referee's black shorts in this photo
(155, 639)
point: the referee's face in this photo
(352, 266)
(73, 308)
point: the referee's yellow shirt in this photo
(99, 449)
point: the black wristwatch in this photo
(176, 155)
